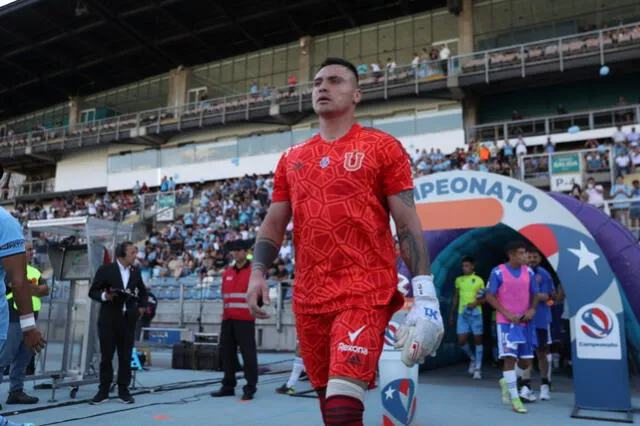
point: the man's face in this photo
(534, 259)
(131, 253)
(239, 255)
(335, 91)
(518, 256)
(468, 268)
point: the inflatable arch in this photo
(476, 213)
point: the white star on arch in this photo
(389, 393)
(586, 258)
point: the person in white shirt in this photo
(521, 147)
(444, 57)
(391, 65)
(619, 136)
(594, 194)
(415, 63)
(623, 161)
(633, 136)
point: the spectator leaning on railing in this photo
(620, 192)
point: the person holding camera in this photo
(119, 288)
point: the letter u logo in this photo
(353, 162)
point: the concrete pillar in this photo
(76, 105)
(465, 28)
(469, 116)
(306, 50)
(178, 86)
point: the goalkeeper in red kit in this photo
(340, 187)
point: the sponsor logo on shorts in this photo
(353, 336)
(351, 348)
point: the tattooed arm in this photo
(409, 231)
(267, 247)
(269, 238)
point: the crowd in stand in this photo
(111, 206)
(195, 243)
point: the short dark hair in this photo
(534, 249)
(635, 181)
(340, 61)
(516, 245)
(469, 259)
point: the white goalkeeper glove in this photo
(422, 330)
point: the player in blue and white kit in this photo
(512, 291)
(13, 262)
(542, 322)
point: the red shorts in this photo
(346, 343)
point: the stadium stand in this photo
(374, 76)
(191, 248)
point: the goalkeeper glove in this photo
(422, 329)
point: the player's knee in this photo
(509, 362)
(345, 388)
(462, 339)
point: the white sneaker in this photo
(472, 366)
(527, 395)
(545, 393)
(477, 375)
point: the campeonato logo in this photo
(596, 323)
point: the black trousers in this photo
(236, 333)
(114, 333)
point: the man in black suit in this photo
(123, 296)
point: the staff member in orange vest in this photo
(238, 325)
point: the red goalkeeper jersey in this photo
(343, 244)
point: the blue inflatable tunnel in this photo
(486, 246)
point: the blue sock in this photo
(467, 350)
(479, 349)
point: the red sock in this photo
(323, 400)
(340, 410)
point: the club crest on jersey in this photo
(324, 162)
(353, 161)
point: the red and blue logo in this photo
(390, 333)
(596, 323)
(399, 402)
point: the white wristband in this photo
(27, 322)
(423, 286)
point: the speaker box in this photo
(207, 357)
(183, 356)
(454, 6)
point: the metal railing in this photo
(554, 124)
(197, 114)
(627, 212)
(28, 188)
(156, 204)
(292, 98)
(536, 166)
(551, 51)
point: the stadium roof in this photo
(53, 49)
